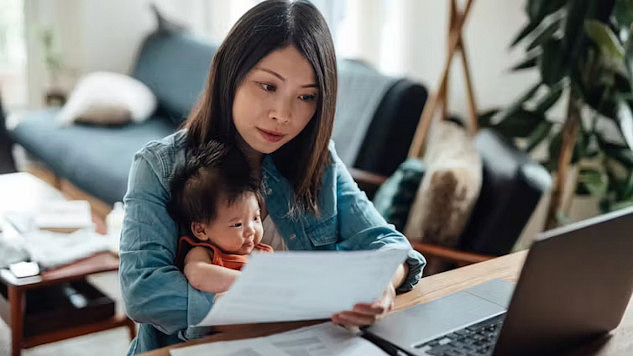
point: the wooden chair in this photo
(369, 183)
(439, 100)
(512, 182)
(6, 159)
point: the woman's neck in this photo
(253, 157)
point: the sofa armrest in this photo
(388, 138)
(513, 184)
(448, 254)
(367, 181)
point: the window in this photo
(12, 54)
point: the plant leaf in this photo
(520, 123)
(574, 19)
(625, 121)
(538, 9)
(525, 32)
(527, 63)
(546, 34)
(551, 98)
(538, 135)
(528, 95)
(627, 188)
(623, 12)
(622, 155)
(557, 142)
(606, 40)
(620, 205)
(552, 62)
(535, 8)
(592, 181)
(518, 104)
(485, 118)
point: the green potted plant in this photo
(54, 95)
(583, 50)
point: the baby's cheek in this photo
(259, 234)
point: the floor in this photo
(105, 343)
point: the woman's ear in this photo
(199, 230)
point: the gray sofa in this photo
(174, 66)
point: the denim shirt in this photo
(156, 293)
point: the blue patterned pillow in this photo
(394, 198)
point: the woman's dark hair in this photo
(267, 27)
(216, 173)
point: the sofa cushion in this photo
(174, 66)
(94, 158)
(449, 189)
(353, 115)
(394, 197)
(107, 98)
(513, 184)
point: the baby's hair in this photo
(214, 174)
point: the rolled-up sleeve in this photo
(154, 290)
(363, 228)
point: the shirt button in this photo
(269, 191)
(293, 236)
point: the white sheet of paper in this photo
(302, 285)
(317, 340)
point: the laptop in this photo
(575, 284)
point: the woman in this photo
(271, 91)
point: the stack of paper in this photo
(324, 339)
(64, 216)
(290, 286)
(57, 216)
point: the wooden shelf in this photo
(116, 321)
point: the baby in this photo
(216, 198)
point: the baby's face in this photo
(237, 228)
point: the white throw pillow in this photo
(449, 189)
(108, 99)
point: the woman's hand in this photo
(366, 314)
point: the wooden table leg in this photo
(131, 328)
(16, 311)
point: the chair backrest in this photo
(174, 66)
(389, 136)
(376, 117)
(512, 186)
(6, 158)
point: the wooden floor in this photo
(105, 343)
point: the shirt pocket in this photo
(323, 234)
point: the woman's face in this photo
(276, 100)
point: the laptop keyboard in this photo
(477, 339)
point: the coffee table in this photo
(23, 191)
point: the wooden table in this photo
(22, 191)
(618, 342)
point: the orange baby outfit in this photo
(228, 260)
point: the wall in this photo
(94, 35)
(401, 37)
(409, 37)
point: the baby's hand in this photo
(218, 296)
(261, 250)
